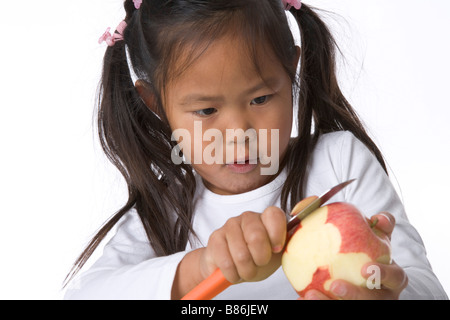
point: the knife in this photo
(216, 282)
(317, 203)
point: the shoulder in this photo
(129, 230)
(337, 157)
(340, 157)
(336, 141)
(342, 146)
(338, 149)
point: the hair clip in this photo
(117, 36)
(137, 4)
(288, 4)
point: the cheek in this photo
(283, 122)
(182, 133)
(286, 123)
(274, 138)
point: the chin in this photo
(233, 183)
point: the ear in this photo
(146, 94)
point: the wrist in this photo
(188, 274)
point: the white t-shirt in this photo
(129, 269)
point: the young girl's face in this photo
(223, 111)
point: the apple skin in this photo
(333, 242)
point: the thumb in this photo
(274, 220)
(384, 222)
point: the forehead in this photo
(226, 61)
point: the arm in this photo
(128, 268)
(247, 247)
(188, 274)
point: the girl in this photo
(206, 68)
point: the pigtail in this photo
(322, 106)
(138, 143)
(114, 76)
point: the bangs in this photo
(268, 32)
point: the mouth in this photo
(242, 166)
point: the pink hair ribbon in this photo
(111, 39)
(288, 4)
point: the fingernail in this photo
(339, 290)
(386, 216)
(277, 249)
(311, 296)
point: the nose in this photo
(240, 136)
(239, 128)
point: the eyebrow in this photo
(199, 97)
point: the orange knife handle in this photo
(208, 288)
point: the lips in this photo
(242, 167)
(243, 161)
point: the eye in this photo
(205, 112)
(260, 100)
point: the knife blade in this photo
(316, 204)
(216, 282)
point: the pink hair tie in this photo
(111, 39)
(288, 4)
(137, 4)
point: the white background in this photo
(56, 188)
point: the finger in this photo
(315, 295)
(384, 222)
(256, 238)
(302, 205)
(274, 221)
(391, 276)
(344, 290)
(239, 250)
(220, 256)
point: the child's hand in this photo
(247, 247)
(393, 277)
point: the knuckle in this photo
(229, 270)
(230, 224)
(243, 258)
(247, 215)
(276, 212)
(217, 234)
(226, 264)
(256, 238)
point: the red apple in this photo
(334, 242)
